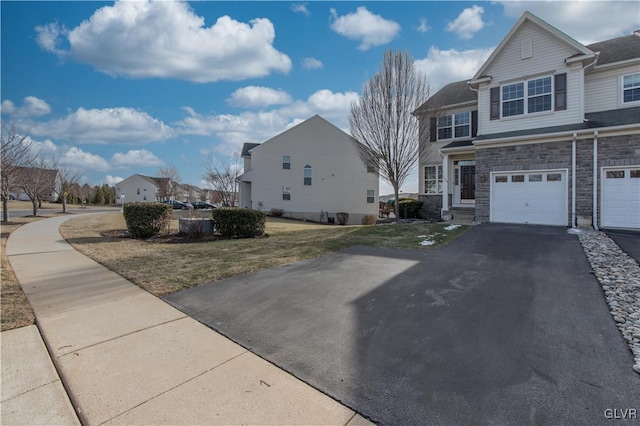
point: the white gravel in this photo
(619, 276)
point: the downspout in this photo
(573, 180)
(595, 180)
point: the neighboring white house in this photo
(546, 132)
(311, 171)
(138, 188)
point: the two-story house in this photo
(311, 171)
(546, 132)
(140, 188)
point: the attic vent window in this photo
(526, 49)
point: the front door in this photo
(468, 181)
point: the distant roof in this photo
(248, 147)
(595, 120)
(455, 93)
(617, 49)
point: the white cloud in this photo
(369, 28)
(586, 21)
(300, 8)
(423, 27)
(446, 66)
(84, 160)
(467, 23)
(254, 96)
(109, 125)
(142, 39)
(135, 157)
(112, 180)
(45, 149)
(31, 107)
(311, 64)
(233, 130)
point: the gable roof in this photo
(455, 93)
(617, 49)
(246, 149)
(530, 17)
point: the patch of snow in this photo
(423, 236)
(427, 243)
(574, 231)
(451, 227)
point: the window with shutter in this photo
(560, 92)
(495, 103)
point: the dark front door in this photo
(468, 190)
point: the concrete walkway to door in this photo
(127, 357)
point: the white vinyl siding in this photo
(548, 59)
(603, 89)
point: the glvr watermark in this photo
(621, 413)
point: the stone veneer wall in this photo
(612, 151)
(431, 206)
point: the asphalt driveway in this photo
(629, 241)
(505, 325)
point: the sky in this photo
(121, 88)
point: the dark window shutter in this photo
(474, 124)
(433, 129)
(495, 103)
(561, 91)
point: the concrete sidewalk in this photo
(127, 357)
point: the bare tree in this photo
(84, 193)
(38, 180)
(169, 180)
(381, 120)
(67, 182)
(222, 177)
(16, 152)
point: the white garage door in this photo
(621, 197)
(536, 197)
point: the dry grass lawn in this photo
(162, 267)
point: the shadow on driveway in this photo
(629, 241)
(505, 325)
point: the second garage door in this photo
(621, 197)
(535, 197)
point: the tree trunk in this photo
(396, 205)
(64, 203)
(34, 202)
(5, 210)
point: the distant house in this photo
(546, 132)
(142, 188)
(28, 181)
(311, 171)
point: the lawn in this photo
(162, 267)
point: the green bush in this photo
(410, 208)
(239, 223)
(145, 220)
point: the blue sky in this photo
(126, 87)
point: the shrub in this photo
(145, 220)
(410, 208)
(342, 217)
(276, 212)
(239, 223)
(369, 219)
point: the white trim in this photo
(603, 170)
(621, 102)
(532, 171)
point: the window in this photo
(538, 97)
(554, 177)
(615, 174)
(444, 127)
(145, 198)
(535, 178)
(513, 100)
(371, 196)
(454, 126)
(138, 191)
(501, 179)
(286, 162)
(371, 168)
(433, 179)
(286, 193)
(517, 178)
(307, 175)
(631, 88)
(635, 174)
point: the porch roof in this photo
(594, 120)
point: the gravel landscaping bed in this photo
(619, 276)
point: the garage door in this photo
(538, 197)
(621, 197)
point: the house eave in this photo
(550, 137)
(458, 150)
(444, 107)
(613, 65)
(480, 80)
(581, 58)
